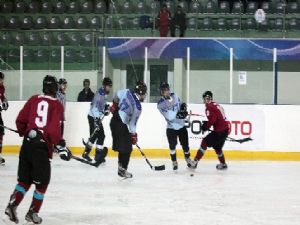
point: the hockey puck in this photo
(191, 174)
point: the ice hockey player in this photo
(3, 106)
(174, 113)
(39, 123)
(61, 96)
(99, 109)
(216, 138)
(126, 111)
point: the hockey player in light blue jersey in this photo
(174, 113)
(126, 111)
(99, 109)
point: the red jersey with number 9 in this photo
(216, 117)
(43, 113)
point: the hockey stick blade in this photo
(83, 161)
(240, 140)
(159, 168)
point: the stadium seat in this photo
(249, 24)
(141, 7)
(40, 22)
(135, 23)
(293, 24)
(55, 55)
(60, 7)
(85, 56)
(184, 5)
(17, 39)
(2, 22)
(114, 7)
(195, 7)
(279, 8)
(81, 23)
(73, 7)
(235, 24)
(61, 39)
(7, 7)
(210, 7)
(70, 56)
(13, 55)
(221, 24)
(267, 7)
(238, 8)
(41, 56)
(54, 23)
(100, 7)
(46, 7)
(122, 23)
(95, 23)
(13, 22)
(28, 55)
(207, 24)
(68, 23)
(47, 39)
(20, 7)
(33, 39)
(27, 22)
(87, 7)
(109, 23)
(192, 23)
(264, 26)
(170, 6)
(34, 7)
(154, 7)
(87, 39)
(127, 7)
(74, 38)
(278, 24)
(4, 38)
(251, 7)
(293, 8)
(224, 7)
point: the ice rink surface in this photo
(256, 193)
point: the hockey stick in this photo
(7, 128)
(73, 157)
(157, 168)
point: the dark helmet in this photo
(62, 81)
(50, 85)
(140, 88)
(207, 94)
(107, 82)
(164, 86)
(1, 75)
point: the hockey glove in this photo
(134, 138)
(106, 110)
(204, 126)
(113, 108)
(5, 104)
(63, 152)
(181, 114)
(183, 107)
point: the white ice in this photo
(248, 193)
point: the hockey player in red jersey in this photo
(3, 106)
(216, 138)
(39, 122)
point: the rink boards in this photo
(274, 130)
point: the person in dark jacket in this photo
(178, 20)
(86, 95)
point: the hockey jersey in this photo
(98, 104)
